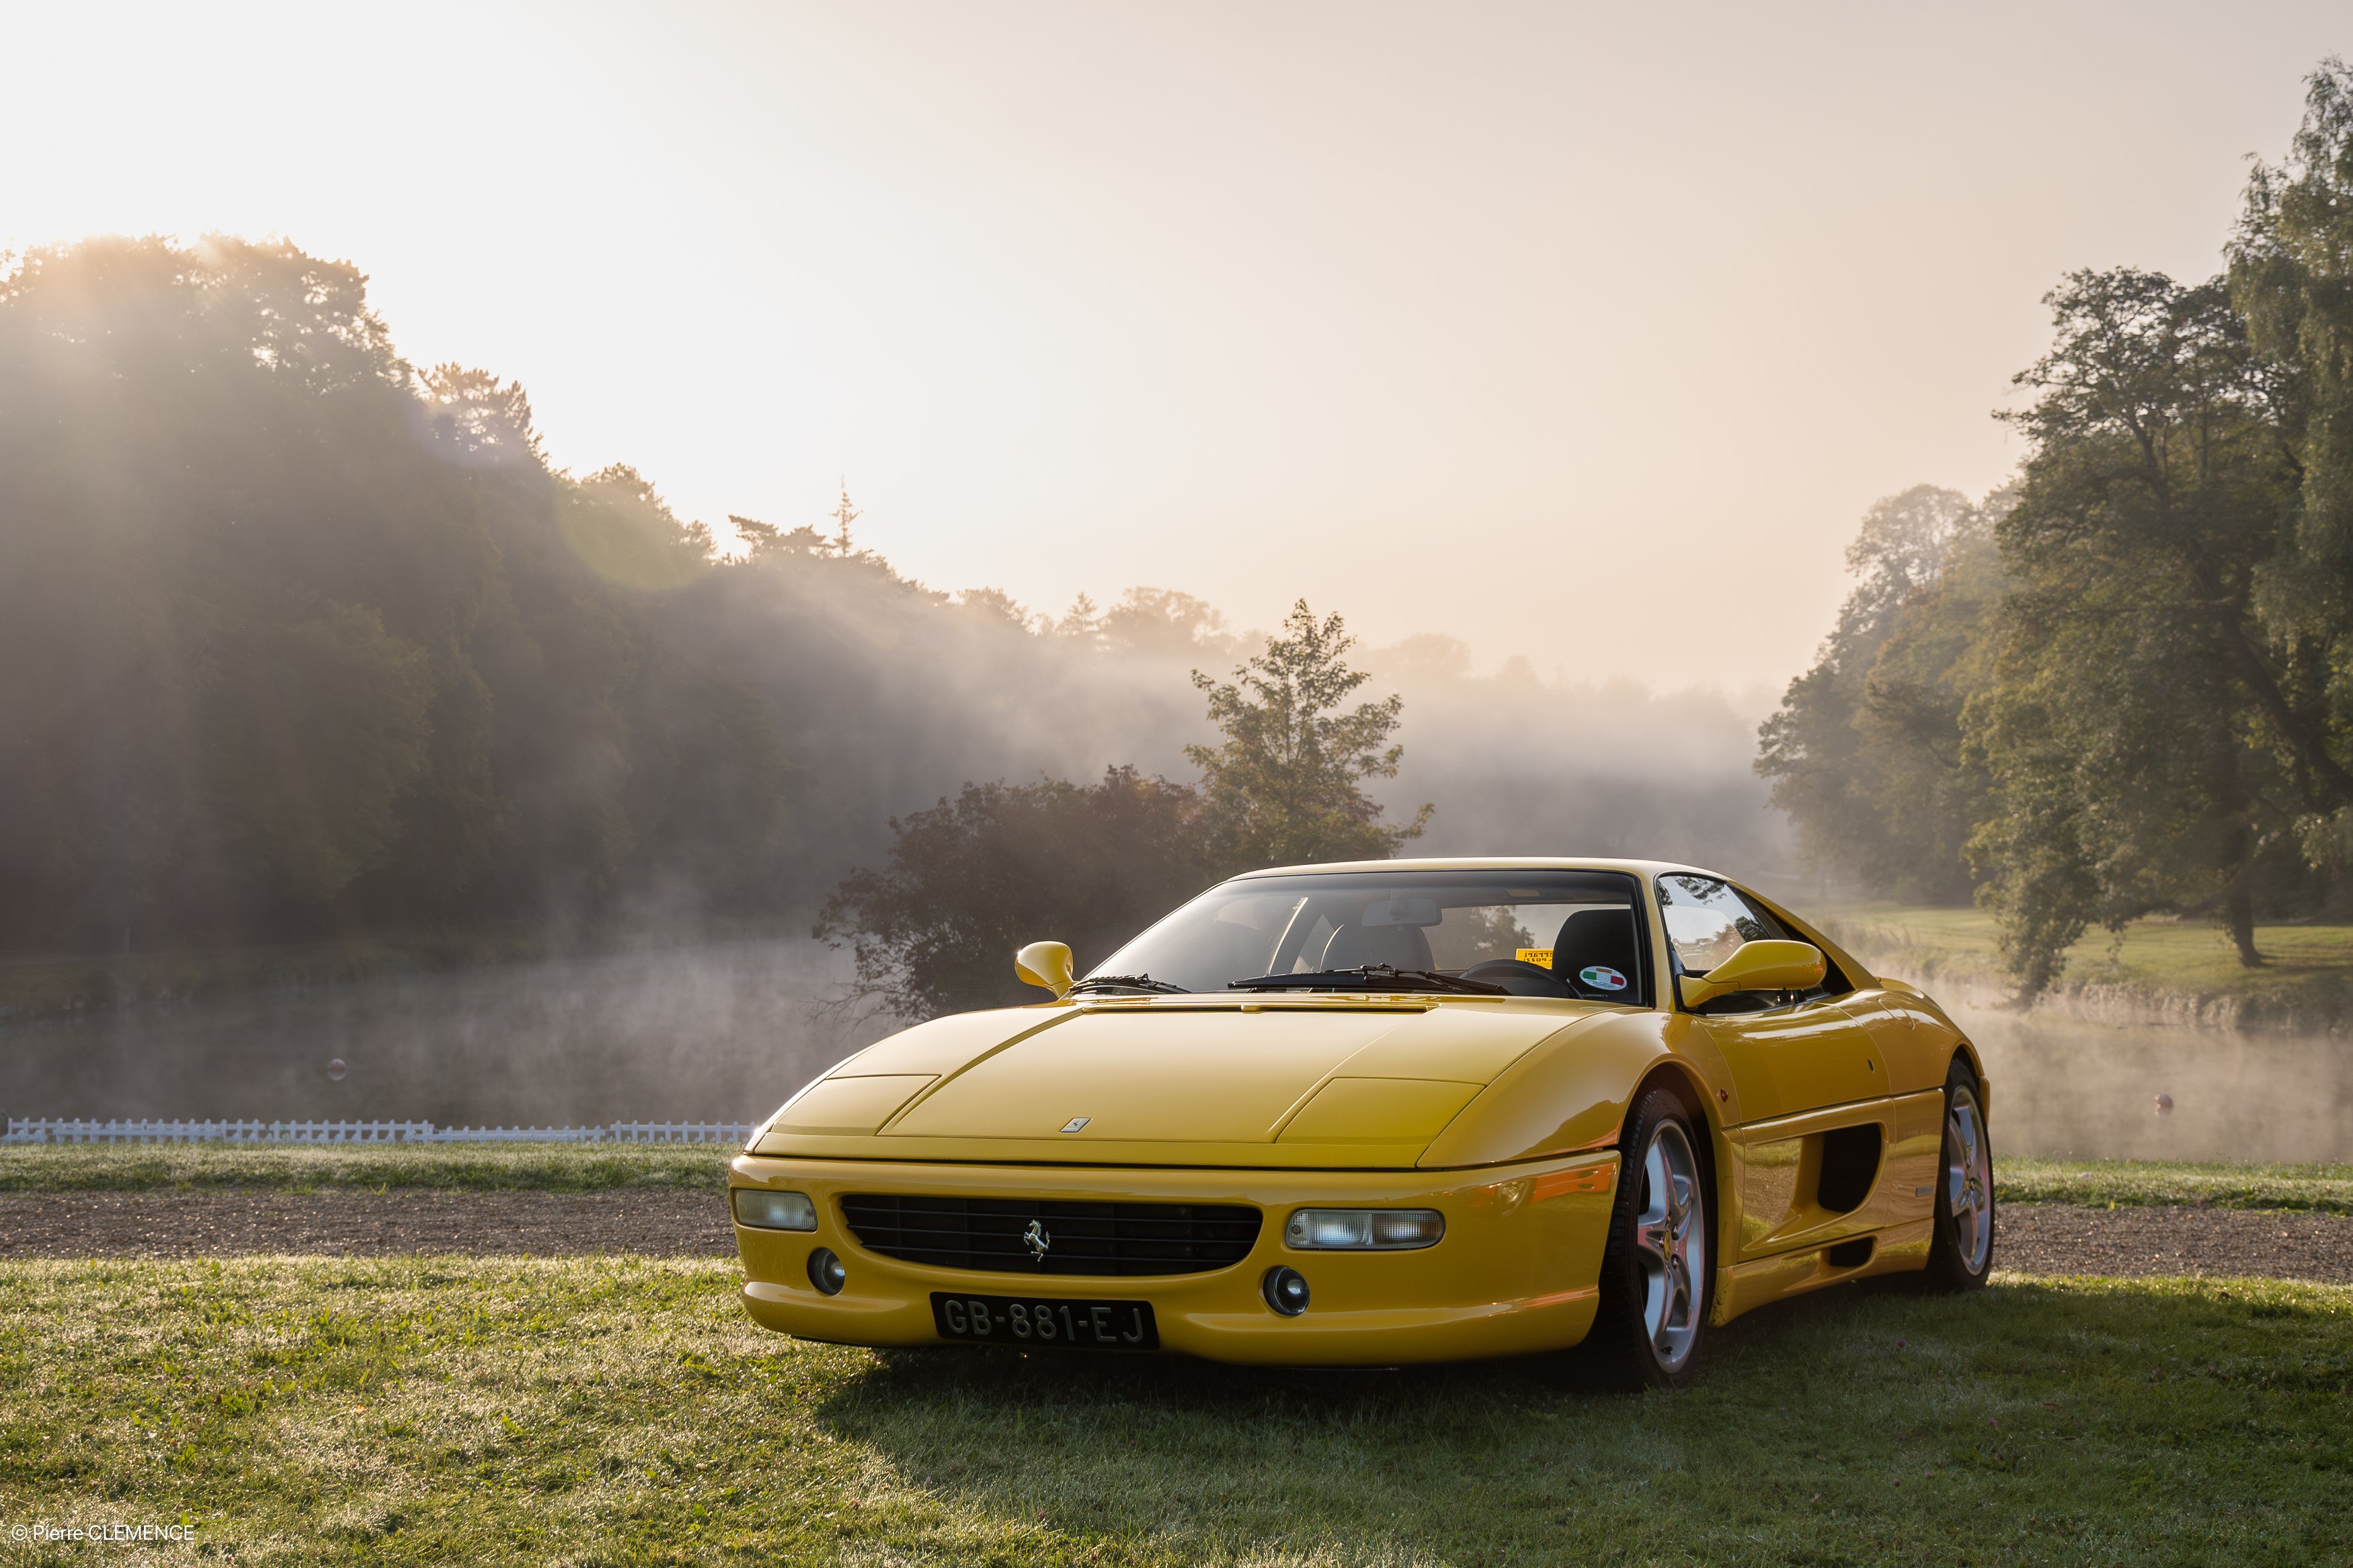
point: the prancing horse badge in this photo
(1036, 1239)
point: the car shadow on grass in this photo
(2164, 1420)
(1494, 1461)
(1016, 1379)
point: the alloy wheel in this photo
(1671, 1241)
(1968, 1178)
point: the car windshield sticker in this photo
(1604, 976)
(1539, 956)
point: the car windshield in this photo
(1526, 932)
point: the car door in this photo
(1811, 1129)
(1786, 1055)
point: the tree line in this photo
(2122, 684)
(299, 640)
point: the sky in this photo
(1580, 332)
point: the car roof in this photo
(1496, 863)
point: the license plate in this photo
(1036, 1321)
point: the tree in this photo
(1865, 751)
(969, 881)
(1164, 623)
(2136, 729)
(1282, 788)
(2290, 278)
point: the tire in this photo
(1657, 1284)
(1960, 1246)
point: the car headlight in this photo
(1363, 1230)
(763, 1210)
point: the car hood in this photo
(1287, 1081)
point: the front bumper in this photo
(1514, 1273)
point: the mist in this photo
(1519, 763)
(337, 724)
(674, 1001)
(706, 1031)
(2077, 1088)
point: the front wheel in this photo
(1655, 1280)
(1960, 1248)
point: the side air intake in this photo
(1850, 1164)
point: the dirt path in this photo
(2034, 1239)
(361, 1225)
(2054, 1238)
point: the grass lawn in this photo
(584, 1167)
(431, 1410)
(2123, 1183)
(2307, 974)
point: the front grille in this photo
(1081, 1238)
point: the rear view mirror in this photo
(1771, 965)
(1045, 965)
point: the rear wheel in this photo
(1655, 1280)
(1960, 1249)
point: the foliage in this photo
(1865, 751)
(623, 1410)
(2125, 730)
(2291, 278)
(290, 636)
(300, 642)
(1282, 788)
(2144, 703)
(970, 881)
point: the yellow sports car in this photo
(1391, 1112)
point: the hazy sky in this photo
(1584, 332)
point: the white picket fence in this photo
(70, 1130)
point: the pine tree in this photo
(1282, 788)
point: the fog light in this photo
(1285, 1290)
(765, 1210)
(827, 1273)
(1363, 1230)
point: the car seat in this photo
(1597, 936)
(1399, 947)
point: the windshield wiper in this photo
(1126, 983)
(1371, 978)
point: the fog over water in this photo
(721, 1031)
(726, 1031)
(677, 1026)
(2066, 1087)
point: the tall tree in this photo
(1283, 787)
(2291, 277)
(2136, 725)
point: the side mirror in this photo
(1770, 966)
(1047, 964)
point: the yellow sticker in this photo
(1538, 956)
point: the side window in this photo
(1707, 921)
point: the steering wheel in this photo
(1519, 978)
